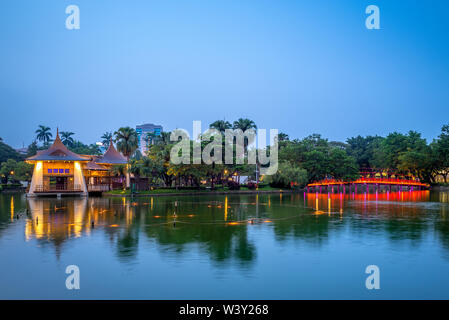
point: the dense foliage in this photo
(14, 171)
(300, 161)
(6, 152)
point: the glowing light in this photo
(232, 223)
(226, 209)
(12, 208)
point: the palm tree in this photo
(107, 136)
(44, 134)
(118, 171)
(150, 138)
(126, 138)
(67, 138)
(283, 137)
(244, 124)
(220, 125)
(163, 139)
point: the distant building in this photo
(145, 131)
(22, 151)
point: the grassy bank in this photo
(167, 191)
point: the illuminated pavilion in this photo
(59, 171)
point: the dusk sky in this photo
(299, 66)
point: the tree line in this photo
(300, 160)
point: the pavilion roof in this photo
(95, 166)
(112, 156)
(57, 152)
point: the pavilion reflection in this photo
(56, 220)
(174, 225)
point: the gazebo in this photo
(59, 171)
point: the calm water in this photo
(297, 247)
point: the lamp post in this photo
(257, 174)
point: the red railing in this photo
(389, 181)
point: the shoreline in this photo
(201, 193)
(440, 188)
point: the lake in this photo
(267, 246)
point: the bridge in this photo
(366, 182)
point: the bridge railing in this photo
(362, 180)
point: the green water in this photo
(288, 246)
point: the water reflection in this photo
(223, 228)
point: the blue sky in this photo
(300, 66)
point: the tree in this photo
(81, 148)
(441, 149)
(220, 125)
(32, 149)
(164, 139)
(43, 134)
(127, 144)
(66, 138)
(135, 167)
(389, 151)
(7, 170)
(283, 137)
(126, 139)
(119, 171)
(286, 175)
(7, 152)
(417, 157)
(364, 150)
(150, 138)
(320, 158)
(338, 144)
(106, 139)
(23, 171)
(244, 124)
(342, 166)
